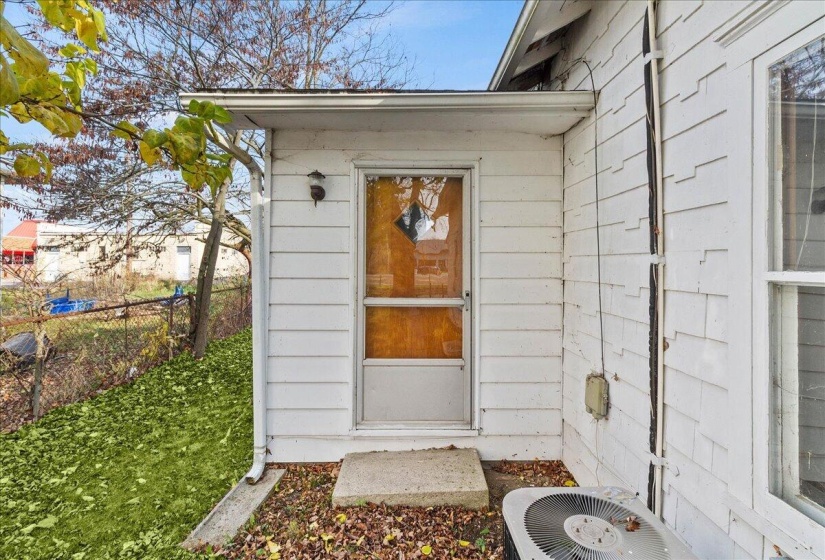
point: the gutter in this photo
(390, 101)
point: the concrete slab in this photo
(234, 509)
(434, 477)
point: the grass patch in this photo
(130, 473)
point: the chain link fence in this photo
(49, 360)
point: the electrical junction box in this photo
(595, 395)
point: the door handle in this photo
(467, 300)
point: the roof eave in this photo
(511, 111)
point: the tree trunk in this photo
(246, 251)
(199, 329)
(39, 361)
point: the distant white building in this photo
(60, 251)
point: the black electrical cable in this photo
(653, 273)
(598, 224)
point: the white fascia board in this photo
(548, 112)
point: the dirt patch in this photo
(297, 521)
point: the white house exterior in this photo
(522, 317)
(66, 252)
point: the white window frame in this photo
(777, 511)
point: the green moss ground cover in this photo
(131, 472)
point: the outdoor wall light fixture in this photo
(316, 186)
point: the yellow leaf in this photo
(51, 119)
(87, 32)
(20, 112)
(53, 12)
(30, 60)
(26, 166)
(326, 537)
(341, 517)
(100, 23)
(9, 90)
(74, 122)
(569, 482)
(185, 148)
(463, 543)
(426, 550)
(149, 155)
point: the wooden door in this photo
(414, 300)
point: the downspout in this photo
(657, 269)
(260, 315)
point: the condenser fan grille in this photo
(584, 527)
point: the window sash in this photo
(781, 462)
(803, 533)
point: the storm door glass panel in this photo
(414, 237)
(415, 316)
(414, 332)
(797, 281)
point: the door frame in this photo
(468, 171)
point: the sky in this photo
(456, 44)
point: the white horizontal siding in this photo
(519, 264)
(323, 448)
(491, 163)
(539, 239)
(696, 77)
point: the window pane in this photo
(798, 162)
(798, 434)
(414, 332)
(414, 237)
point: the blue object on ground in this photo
(177, 297)
(72, 305)
(65, 304)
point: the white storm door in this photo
(414, 308)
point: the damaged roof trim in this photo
(538, 19)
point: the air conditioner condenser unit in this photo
(605, 523)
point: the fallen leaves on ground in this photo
(298, 521)
(537, 473)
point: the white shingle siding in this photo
(697, 143)
(311, 338)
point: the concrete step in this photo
(433, 477)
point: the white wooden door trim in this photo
(468, 170)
